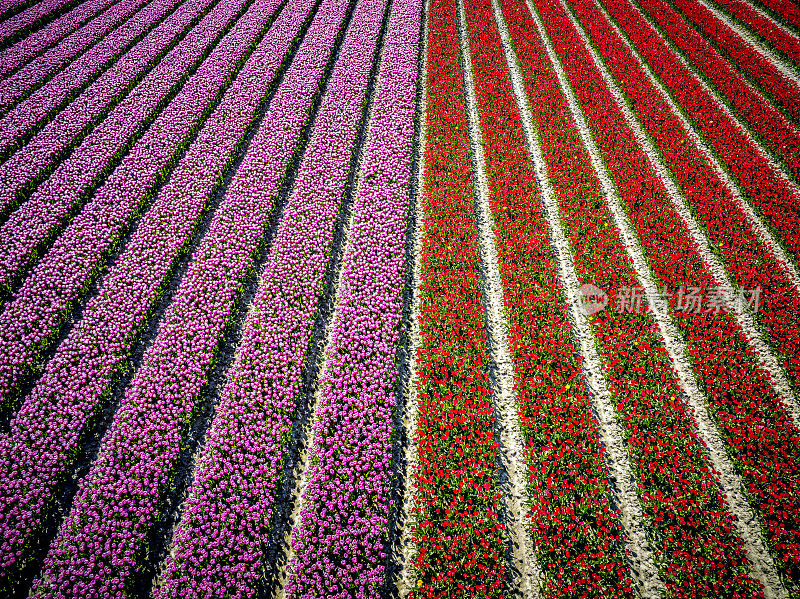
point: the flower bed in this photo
(758, 431)
(683, 508)
(144, 440)
(577, 537)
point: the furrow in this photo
(737, 389)
(639, 552)
(787, 69)
(43, 68)
(706, 119)
(744, 518)
(756, 222)
(408, 548)
(15, 27)
(169, 382)
(771, 32)
(57, 32)
(29, 230)
(289, 308)
(37, 308)
(525, 573)
(770, 126)
(95, 354)
(350, 478)
(29, 105)
(776, 17)
(777, 89)
(734, 241)
(457, 524)
(743, 317)
(83, 143)
(667, 456)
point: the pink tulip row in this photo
(48, 209)
(29, 18)
(774, 128)
(74, 386)
(39, 306)
(25, 116)
(758, 431)
(766, 190)
(73, 49)
(74, 28)
(100, 544)
(772, 35)
(260, 405)
(340, 543)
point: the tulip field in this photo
(410, 299)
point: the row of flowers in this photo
(221, 541)
(759, 433)
(577, 539)
(786, 11)
(692, 531)
(17, 25)
(44, 214)
(340, 543)
(742, 251)
(774, 36)
(73, 389)
(35, 313)
(78, 29)
(26, 167)
(31, 104)
(765, 120)
(460, 539)
(754, 66)
(102, 545)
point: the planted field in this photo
(400, 298)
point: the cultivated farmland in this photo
(400, 298)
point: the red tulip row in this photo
(577, 539)
(785, 10)
(759, 433)
(457, 528)
(771, 34)
(779, 315)
(742, 55)
(691, 529)
(760, 116)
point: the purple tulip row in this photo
(95, 552)
(29, 17)
(38, 307)
(77, 34)
(34, 314)
(38, 451)
(339, 544)
(21, 120)
(219, 544)
(23, 169)
(44, 213)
